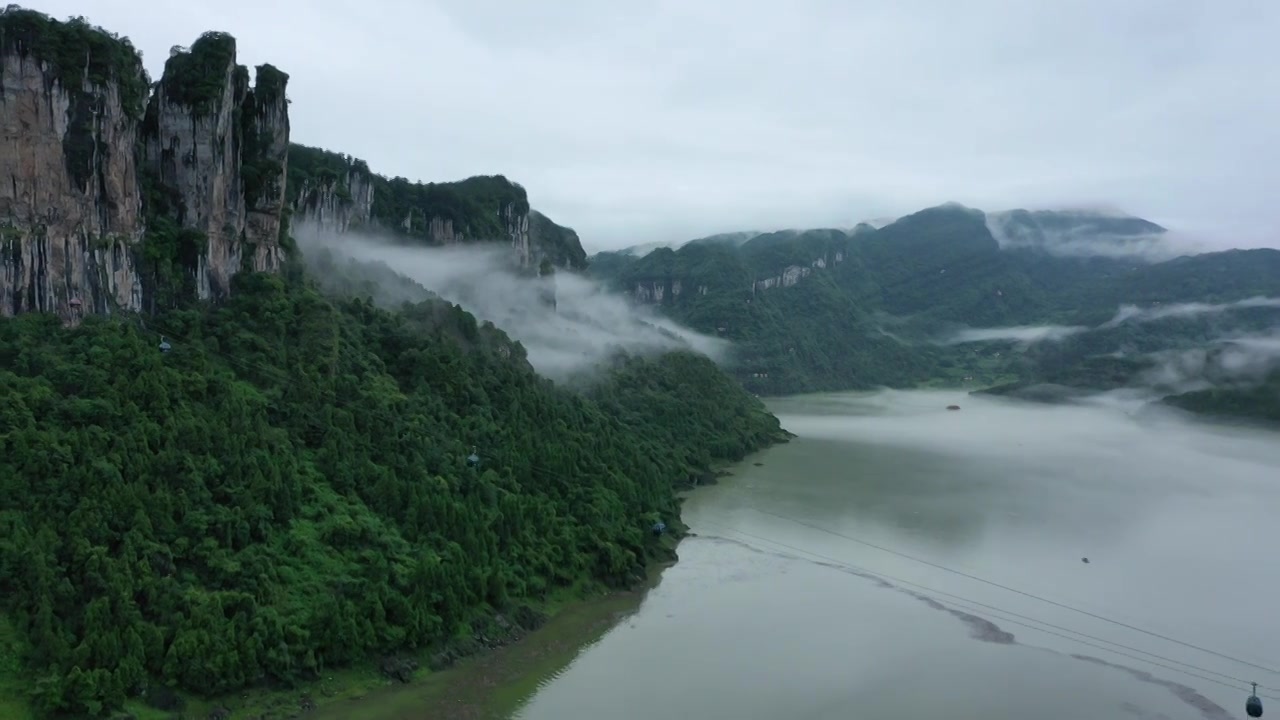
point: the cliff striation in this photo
(724, 263)
(71, 97)
(115, 198)
(334, 193)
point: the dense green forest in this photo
(832, 309)
(287, 489)
(209, 497)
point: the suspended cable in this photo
(886, 577)
(992, 583)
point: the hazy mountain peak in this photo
(1080, 232)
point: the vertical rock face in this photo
(517, 222)
(93, 177)
(265, 113)
(335, 206)
(220, 150)
(556, 242)
(70, 204)
(333, 194)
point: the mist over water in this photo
(824, 578)
(586, 324)
(1232, 357)
(1240, 360)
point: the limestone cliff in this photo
(219, 149)
(335, 193)
(331, 201)
(70, 203)
(792, 274)
(723, 264)
(111, 199)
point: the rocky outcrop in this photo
(221, 150)
(655, 292)
(517, 222)
(70, 202)
(793, 274)
(441, 230)
(329, 200)
(557, 243)
(333, 194)
(88, 166)
(265, 119)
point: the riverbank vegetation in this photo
(288, 490)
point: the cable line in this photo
(1013, 589)
(883, 576)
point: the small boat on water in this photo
(953, 407)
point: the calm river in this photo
(841, 575)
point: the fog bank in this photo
(567, 323)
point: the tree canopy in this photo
(286, 490)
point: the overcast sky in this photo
(652, 120)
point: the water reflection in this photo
(785, 607)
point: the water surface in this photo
(835, 579)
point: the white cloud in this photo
(587, 324)
(1025, 334)
(1133, 313)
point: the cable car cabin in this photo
(164, 346)
(473, 460)
(659, 528)
(1253, 706)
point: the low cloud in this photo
(1093, 232)
(1135, 314)
(1031, 334)
(585, 326)
(1025, 334)
(1240, 361)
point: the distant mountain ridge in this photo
(1017, 227)
(828, 309)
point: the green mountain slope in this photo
(833, 309)
(278, 483)
(287, 489)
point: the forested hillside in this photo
(952, 295)
(287, 488)
(218, 472)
